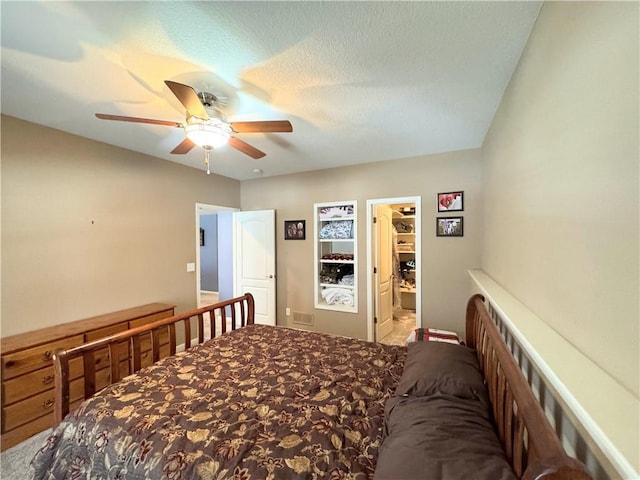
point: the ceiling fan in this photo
(206, 126)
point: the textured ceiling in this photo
(359, 81)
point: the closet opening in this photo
(394, 268)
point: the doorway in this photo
(212, 233)
(394, 240)
(245, 257)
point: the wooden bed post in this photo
(470, 321)
(250, 309)
(61, 374)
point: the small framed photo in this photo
(294, 229)
(449, 227)
(202, 237)
(450, 202)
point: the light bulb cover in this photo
(207, 135)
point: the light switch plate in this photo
(191, 267)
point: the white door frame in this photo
(417, 200)
(204, 209)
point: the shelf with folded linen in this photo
(335, 282)
(337, 297)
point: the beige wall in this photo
(88, 228)
(560, 181)
(445, 260)
(58, 266)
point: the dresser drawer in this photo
(29, 429)
(101, 357)
(19, 434)
(145, 340)
(35, 358)
(34, 407)
(146, 359)
(105, 332)
(103, 375)
(150, 318)
(30, 384)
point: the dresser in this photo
(27, 366)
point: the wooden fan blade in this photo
(189, 98)
(245, 148)
(152, 121)
(266, 126)
(184, 147)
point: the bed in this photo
(264, 402)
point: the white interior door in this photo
(383, 263)
(255, 261)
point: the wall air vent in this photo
(302, 318)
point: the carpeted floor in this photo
(14, 462)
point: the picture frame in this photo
(449, 226)
(294, 230)
(450, 201)
(202, 237)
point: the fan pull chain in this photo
(206, 160)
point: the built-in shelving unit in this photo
(335, 252)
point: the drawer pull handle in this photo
(48, 403)
(47, 379)
(47, 355)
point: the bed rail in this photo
(529, 440)
(125, 351)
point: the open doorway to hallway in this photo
(394, 263)
(213, 239)
(246, 258)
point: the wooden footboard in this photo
(529, 440)
(126, 352)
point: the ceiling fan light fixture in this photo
(206, 135)
(206, 126)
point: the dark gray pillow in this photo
(435, 368)
(440, 437)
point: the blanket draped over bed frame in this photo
(262, 402)
(259, 402)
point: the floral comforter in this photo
(257, 403)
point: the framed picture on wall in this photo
(294, 229)
(202, 237)
(449, 227)
(450, 202)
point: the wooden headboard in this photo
(125, 351)
(529, 440)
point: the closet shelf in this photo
(336, 285)
(398, 214)
(335, 219)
